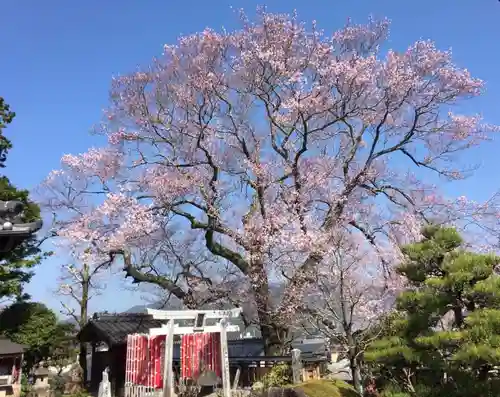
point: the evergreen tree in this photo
(37, 327)
(6, 117)
(16, 265)
(445, 335)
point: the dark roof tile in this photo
(9, 347)
(114, 328)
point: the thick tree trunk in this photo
(272, 331)
(273, 336)
(354, 366)
(356, 375)
(82, 360)
(269, 329)
(353, 356)
(84, 302)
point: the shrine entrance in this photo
(203, 357)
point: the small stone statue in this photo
(105, 385)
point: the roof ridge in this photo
(103, 315)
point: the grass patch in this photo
(327, 388)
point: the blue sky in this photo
(58, 58)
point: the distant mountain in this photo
(158, 305)
(276, 290)
(141, 308)
(69, 320)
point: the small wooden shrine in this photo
(116, 339)
(11, 358)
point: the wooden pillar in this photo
(89, 356)
(226, 385)
(20, 369)
(199, 317)
(168, 375)
(236, 378)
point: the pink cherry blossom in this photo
(264, 146)
(103, 162)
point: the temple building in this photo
(11, 358)
(106, 335)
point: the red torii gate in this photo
(149, 357)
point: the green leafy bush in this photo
(25, 386)
(278, 376)
(57, 384)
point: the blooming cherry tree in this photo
(260, 147)
(350, 295)
(78, 284)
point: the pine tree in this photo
(6, 117)
(444, 337)
(16, 265)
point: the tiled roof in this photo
(9, 347)
(114, 328)
(315, 347)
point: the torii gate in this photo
(199, 316)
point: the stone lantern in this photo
(13, 230)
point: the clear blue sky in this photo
(57, 59)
